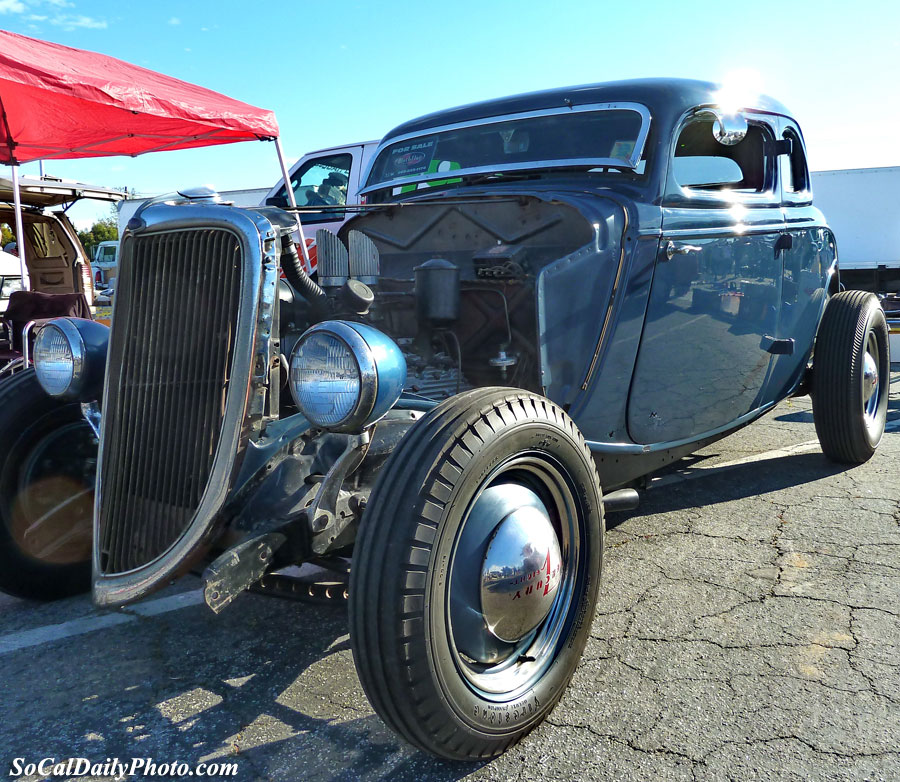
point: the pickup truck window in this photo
(701, 162)
(321, 181)
(106, 254)
(611, 136)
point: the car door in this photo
(809, 262)
(704, 357)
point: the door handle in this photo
(673, 249)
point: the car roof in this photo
(339, 147)
(50, 191)
(664, 98)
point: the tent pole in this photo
(293, 202)
(20, 232)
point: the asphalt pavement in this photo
(748, 629)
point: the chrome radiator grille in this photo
(170, 360)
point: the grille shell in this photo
(185, 388)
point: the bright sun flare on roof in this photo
(740, 88)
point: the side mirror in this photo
(728, 129)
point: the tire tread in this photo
(385, 660)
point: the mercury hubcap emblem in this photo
(870, 376)
(520, 574)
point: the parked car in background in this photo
(104, 262)
(545, 299)
(55, 259)
(10, 278)
(104, 296)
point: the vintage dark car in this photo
(543, 300)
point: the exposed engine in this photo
(453, 285)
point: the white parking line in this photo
(691, 473)
(88, 624)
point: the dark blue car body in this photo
(653, 354)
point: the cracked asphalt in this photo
(748, 629)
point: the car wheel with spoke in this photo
(475, 572)
(46, 492)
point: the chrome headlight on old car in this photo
(70, 356)
(345, 375)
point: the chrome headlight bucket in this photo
(70, 356)
(345, 376)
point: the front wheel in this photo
(475, 572)
(851, 377)
(46, 492)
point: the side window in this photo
(44, 240)
(322, 181)
(702, 163)
(794, 171)
(9, 285)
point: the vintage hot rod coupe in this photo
(542, 300)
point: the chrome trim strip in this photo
(256, 237)
(629, 162)
(720, 232)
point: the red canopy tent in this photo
(57, 102)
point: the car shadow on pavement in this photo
(713, 485)
(268, 684)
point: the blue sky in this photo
(338, 72)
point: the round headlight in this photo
(326, 377)
(344, 376)
(58, 357)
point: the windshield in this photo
(588, 136)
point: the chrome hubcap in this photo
(513, 576)
(872, 392)
(870, 376)
(520, 574)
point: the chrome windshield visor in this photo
(608, 134)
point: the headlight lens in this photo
(346, 375)
(56, 359)
(325, 378)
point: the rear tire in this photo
(851, 377)
(424, 588)
(46, 492)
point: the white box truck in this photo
(862, 206)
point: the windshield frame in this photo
(630, 162)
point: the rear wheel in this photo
(475, 573)
(851, 377)
(46, 492)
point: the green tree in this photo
(105, 230)
(6, 235)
